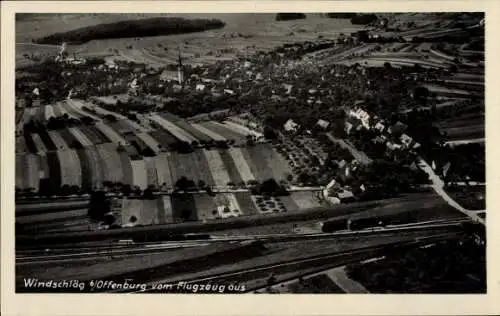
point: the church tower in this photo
(180, 69)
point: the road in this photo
(438, 186)
(358, 155)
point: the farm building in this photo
(406, 140)
(379, 126)
(322, 123)
(362, 116)
(291, 126)
(345, 196)
(392, 146)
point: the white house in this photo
(379, 126)
(200, 87)
(291, 126)
(323, 124)
(406, 140)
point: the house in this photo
(348, 127)
(378, 140)
(169, 75)
(379, 126)
(362, 116)
(200, 87)
(345, 196)
(228, 91)
(323, 124)
(291, 126)
(406, 140)
(392, 146)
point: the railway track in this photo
(69, 252)
(323, 262)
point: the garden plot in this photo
(70, 167)
(48, 112)
(192, 131)
(60, 110)
(222, 130)
(112, 168)
(193, 166)
(145, 211)
(152, 176)
(279, 167)
(163, 137)
(208, 132)
(97, 166)
(149, 141)
(32, 169)
(44, 170)
(241, 164)
(128, 176)
(227, 206)
(216, 166)
(86, 167)
(58, 140)
(110, 134)
(230, 167)
(75, 107)
(39, 145)
(165, 210)
(80, 137)
(306, 199)
(206, 207)
(173, 129)
(242, 129)
(93, 134)
(21, 145)
(140, 173)
(268, 204)
(163, 170)
(257, 162)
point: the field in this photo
(94, 164)
(243, 33)
(463, 127)
(203, 207)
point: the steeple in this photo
(180, 68)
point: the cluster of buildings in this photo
(393, 136)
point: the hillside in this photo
(132, 28)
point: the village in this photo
(379, 130)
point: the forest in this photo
(132, 28)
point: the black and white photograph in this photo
(250, 153)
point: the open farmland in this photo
(222, 130)
(216, 165)
(70, 167)
(173, 129)
(243, 33)
(241, 164)
(112, 167)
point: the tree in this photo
(99, 205)
(186, 215)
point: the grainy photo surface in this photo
(250, 153)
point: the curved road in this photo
(438, 186)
